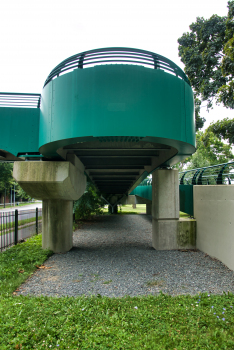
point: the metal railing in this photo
(11, 99)
(18, 225)
(220, 174)
(146, 182)
(116, 55)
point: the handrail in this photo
(223, 176)
(13, 99)
(116, 55)
(218, 174)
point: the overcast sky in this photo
(37, 35)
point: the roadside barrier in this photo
(17, 225)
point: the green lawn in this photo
(140, 209)
(152, 322)
(5, 228)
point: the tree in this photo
(208, 54)
(89, 204)
(211, 150)
(5, 177)
(223, 129)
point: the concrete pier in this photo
(58, 184)
(165, 209)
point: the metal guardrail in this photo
(220, 174)
(11, 99)
(116, 55)
(146, 182)
(13, 227)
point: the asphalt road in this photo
(23, 207)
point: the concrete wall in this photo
(214, 212)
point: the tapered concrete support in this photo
(57, 225)
(165, 209)
(149, 209)
(58, 184)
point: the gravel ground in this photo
(113, 257)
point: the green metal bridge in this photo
(120, 112)
(123, 112)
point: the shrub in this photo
(89, 204)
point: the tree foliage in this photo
(89, 204)
(211, 150)
(5, 177)
(208, 54)
(223, 129)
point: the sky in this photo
(35, 36)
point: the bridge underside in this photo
(117, 166)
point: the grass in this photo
(107, 282)
(153, 322)
(9, 225)
(140, 209)
(128, 209)
(19, 262)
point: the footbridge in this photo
(113, 114)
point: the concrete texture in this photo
(50, 180)
(130, 199)
(57, 184)
(168, 231)
(141, 200)
(165, 194)
(186, 233)
(149, 209)
(213, 210)
(164, 234)
(57, 225)
(165, 209)
(173, 234)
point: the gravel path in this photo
(113, 257)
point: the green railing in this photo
(13, 99)
(116, 55)
(220, 174)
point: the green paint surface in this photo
(19, 129)
(186, 199)
(104, 101)
(117, 100)
(143, 191)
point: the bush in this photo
(89, 204)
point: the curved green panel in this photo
(19, 129)
(117, 100)
(143, 191)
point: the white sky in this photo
(37, 35)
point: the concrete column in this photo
(165, 209)
(58, 184)
(57, 225)
(149, 209)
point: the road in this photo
(23, 207)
